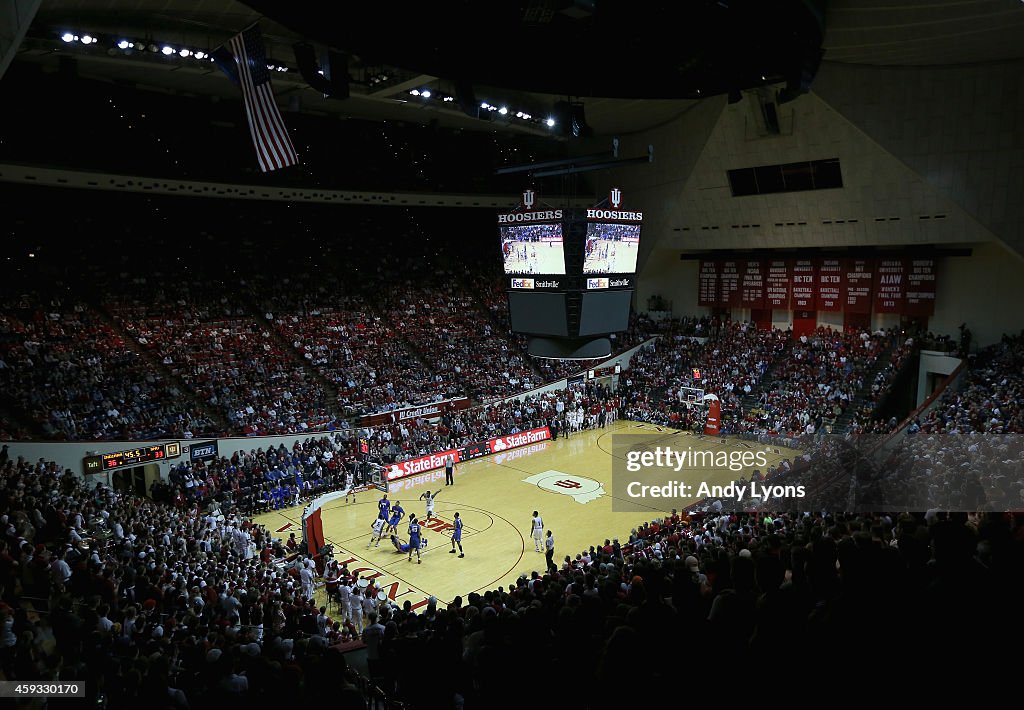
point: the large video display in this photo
(533, 249)
(611, 248)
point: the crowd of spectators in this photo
(181, 607)
(81, 379)
(228, 359)
(819, 378)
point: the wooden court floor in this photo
(495, 497)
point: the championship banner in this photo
(729, 283)
(778, 285)
(804, 286)
(831, 274)
(859, 285)
(433, 410)
(752, 292)
(890, 286)
(713, 423)
(707, 284)
(921, 286)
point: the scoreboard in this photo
(130, 457)
(571, 274)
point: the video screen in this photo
(611, 248)
(533, 249)
(538, 313)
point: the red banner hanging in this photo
(804, 296)
(778, 286)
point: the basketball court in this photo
(568, 481)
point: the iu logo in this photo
(615, 197)
(568, 484)
(529, 198)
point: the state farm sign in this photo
(511, 441)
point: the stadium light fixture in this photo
(124, 44)
(503, 110)
(425, 93)
(167, 51)
(68, 37)
(550, 123)
(184, 53)
(88, 39)
(414, 92)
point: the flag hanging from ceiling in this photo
(274, 148)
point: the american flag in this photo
(274, 147)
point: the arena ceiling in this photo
(633, 64)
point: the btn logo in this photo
(583, 490)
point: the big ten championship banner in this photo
(707, 284)
(431, 411)
(752, 291)
(920, 293)
(778, 285)
(729, 283)
(860, 278)
(831, 274)
(422, 464)
(890, 286)
(804, 296)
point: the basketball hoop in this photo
(379, 478)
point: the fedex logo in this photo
(522, 283)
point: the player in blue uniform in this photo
(404, 546)
(414, 539)
(397, 513)
(385, 507)
(457, 536)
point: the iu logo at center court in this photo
(582, 489)
(615, 197)
(529, 198)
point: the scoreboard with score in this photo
(130, 457)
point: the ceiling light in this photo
(550, 122)
(415, 92)
(68, 37)
(484, 104)
(503, 110)
(87, 39)
(184, 53)
(425, 93)
(124, 44)
(167, 51)
(199, 55)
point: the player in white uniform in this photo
(356, 605)
(350, 486)
(345, 598)
(429, 497)
(378, 526)
(537, 525)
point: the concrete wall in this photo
(932, 362)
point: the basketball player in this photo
(429, 497)
(399, 545)
(537, 525)
(414, 539)
(378, 526)
(457, 536)
(385, 507)
(449, 470)
(397, 513)
(350, 486)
